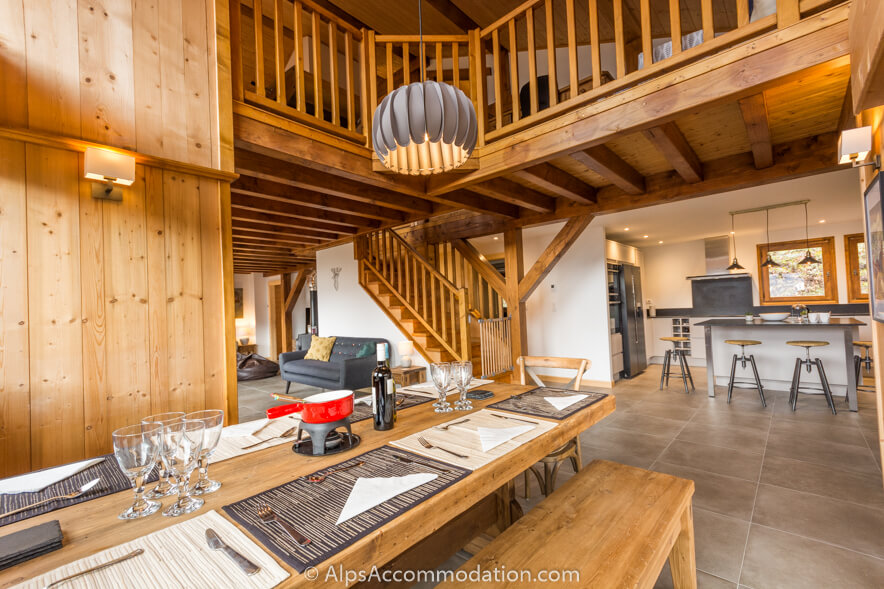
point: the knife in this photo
(216, 543)
(410, 461)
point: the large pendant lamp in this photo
(808, 258)
(735, 265)
(425, 127)
(769, 262)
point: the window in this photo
(798, 283)
(857, 268)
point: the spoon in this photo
(73, 495)
(286, 434)
(318, 478)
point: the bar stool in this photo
(743, 359)
(858, 362)
(682, 362)
(810, 363)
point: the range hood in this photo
(717, 260)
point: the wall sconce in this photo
(406, 349)
(109, 168)
(854, 146)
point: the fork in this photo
(423, 442)
(267, 516)
(447, 425)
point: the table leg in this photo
(682, 558)
(851, 374)
(710, 366)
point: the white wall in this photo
(256, 309)
(349, 311)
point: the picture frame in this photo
(238, 312)
(874, 214)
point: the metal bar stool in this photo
(685, 374)
(810, 363)
(859, 361)
(743, 359)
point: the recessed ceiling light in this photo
(496, 238)
(645, 236)
(661, 241)
(822, 220)
(626, 229)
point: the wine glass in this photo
(164, 486)
(214, 421)
(136, 448)
(463, 374)
(182, 444)
(440, 372)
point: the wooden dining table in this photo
(419, 539)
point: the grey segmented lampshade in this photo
(424, 128)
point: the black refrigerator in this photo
(632, 321)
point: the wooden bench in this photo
(614, 524)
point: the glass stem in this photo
(139, 492)
(204, 470)
(181, 480)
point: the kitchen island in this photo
(775, 359)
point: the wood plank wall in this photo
(109, 311)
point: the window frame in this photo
(830, 270)
(851, 257)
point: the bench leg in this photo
(682, 558)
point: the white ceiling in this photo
(834, 197)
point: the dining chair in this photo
(571, 450)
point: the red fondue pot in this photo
(321, 408)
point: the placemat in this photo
(177, 556)
(532, 402)
(362, 411)
(313, 508)
(464, 439)
(428, 389)
(235, 437)
(112, 478)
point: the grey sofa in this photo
(342, 371)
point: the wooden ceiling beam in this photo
(310, 198)
(554, 252)
(754, 111)
(458, 17)
(297, 286)
(671, 142)
(558, 182)
(473, 201)
(515, 194)
(260, 203)
(268, 168)
(271, 221)
(291, 241)
(297, 230)
(604, 162)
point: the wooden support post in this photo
(554, 252)
(285, 319)
(754, 110)
(515, 270)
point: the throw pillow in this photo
(320, 348)
(367, 349)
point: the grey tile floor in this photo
(255, 395)
(782, 499)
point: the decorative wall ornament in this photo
(336, 274)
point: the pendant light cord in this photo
(733, 236)
(806, 237)
(420, 30)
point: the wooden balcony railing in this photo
(485, 301)
(544, 58)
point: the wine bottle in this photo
(383, 393)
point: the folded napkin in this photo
(564, 402)
(370, 492)
(366, 400)
(243, 429)
(492, 437)
(34, 482)
(32, 542)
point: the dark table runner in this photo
(533, 403)
(313, 508)
(363, 411)
(113, 480)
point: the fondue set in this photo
(326, 419)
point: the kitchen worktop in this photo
(757, 322)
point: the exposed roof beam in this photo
(270, 221)
(262, 166)
(292, 241)
(257, 203)
(473, 201)
(516, 194)
(670, 141)
(559, 246)
(457, 16)
(754, 110)
(311, 198)
(557, 181)
(604, 162)
(296, 232)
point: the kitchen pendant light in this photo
(735, 265)
(425, 127)
(808, 258)
(769, 262)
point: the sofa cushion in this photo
(320, 348)
(349, 347)
(315, 368)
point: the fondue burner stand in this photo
(324, 439)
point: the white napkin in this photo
(363, 400)
(243, 429)
(35, 482)
(564, 402)
(492, 437)
(369, 492)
